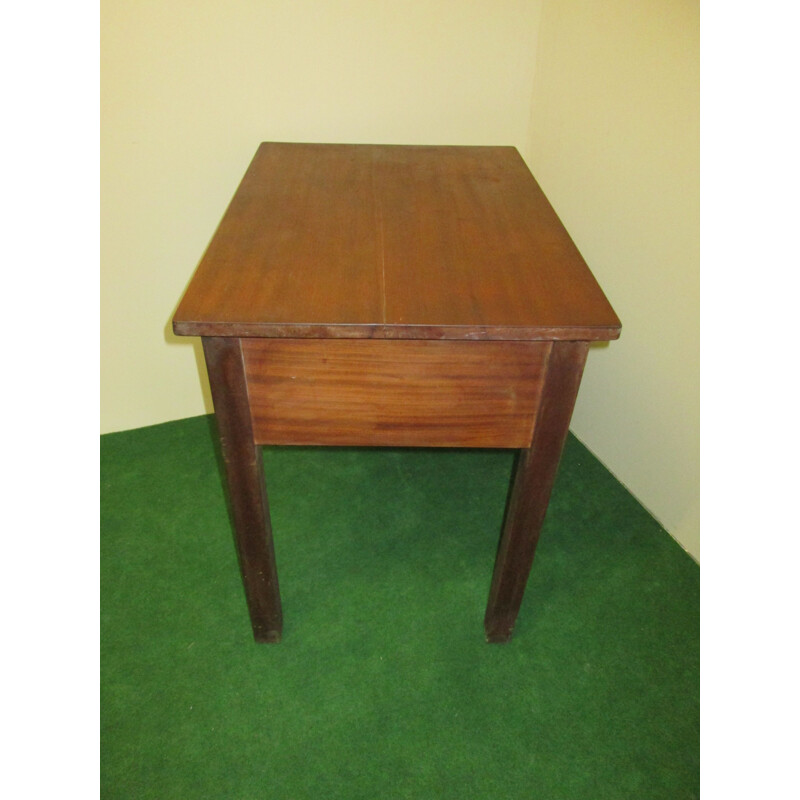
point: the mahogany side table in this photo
(392, 295)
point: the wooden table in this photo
(392, 296)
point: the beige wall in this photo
(189, 89)
(606, 115)
(615, 145)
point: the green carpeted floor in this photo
(383, 686)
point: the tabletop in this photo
(392, 242)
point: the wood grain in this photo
(248, 496)
(530, 489)
(393, 393)
(397, 242)
(392, 296)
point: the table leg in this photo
(248, 495)
(530, 492)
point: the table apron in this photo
(392, 393)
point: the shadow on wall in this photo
(197, 347)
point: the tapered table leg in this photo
(532, 483)
(248, 496)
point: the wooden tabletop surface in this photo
(390, 241)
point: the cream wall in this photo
(615, 144)
(189, 89)
(601, 98)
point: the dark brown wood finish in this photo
(392, 295)
(394, 393)
(469, 240)
(381, 241)
(530, 493)
(248, 496)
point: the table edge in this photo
(379, 331)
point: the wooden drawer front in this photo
(394, 393)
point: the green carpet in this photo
(383, 686)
